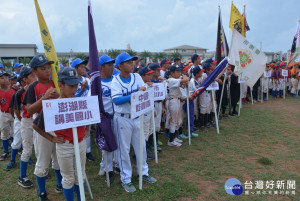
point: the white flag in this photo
(249, 61)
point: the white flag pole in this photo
(106, 168)
(220, 104)
(88, 186)
(154, 137)
(262, 90)
(188, 112)
(141, 152)
(251, 94)
(268, 89)
(78, 163)
(284, 83)
(215, 110)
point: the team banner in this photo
(295, 50)
(159, 91)
(48, 45)
(249, 61)
(222, 45)
(237, 20)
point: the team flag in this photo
(211, 77)
(246, 26)
(237, 20)
(48, 45)
(295, 50)
(222, 46)
(104, 135)
(249, 61)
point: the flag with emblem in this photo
(295, 50)
(246, 26)
(104, 135)
(237, 20)
(249, 61)
(222, 45)
(48, 45)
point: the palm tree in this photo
(81, 56)
(25, 60)
(63, 61)
(113, 53)
(131, 52)
(144, 55)
(159, 56)
(175, 55)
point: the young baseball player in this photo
(83, 90)
(127, 129)
(173, 103)
(17, 68)
(165, 64)
(13, 81)
(107, 69)
(42, 89)
(295, 79)
(7, 120)
(196, 59)
(63, 139)
(26, 78)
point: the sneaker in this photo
(129, 187)
(4, 156)
(25, 182)
(158, 147)
(177, 140)
(101, 171)
(10, 165)
(117, 170)
(59, 189)
(194, 135)
(159, 142)
(43, 197)
(111, 177)
(149, 155)
(149, 179)
(90, 157)
(183, 136)
(174, 144)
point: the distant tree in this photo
(144, 55)
(25, 60)
(113, 53)
(7, 66)
(131, 52)
(159, 56)
(80, 56)
(175, 55)
(63, 61)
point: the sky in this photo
(152, 25)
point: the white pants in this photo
(205, 102)
(27, 138)
(174, 118)
(270, 83)
(158, 111)
(128, 132)
(294, 85)
(280, 84)
(67, 162)
(88, 143)
(265, 85)
(6, 125)
(44, 152)
(17, 135)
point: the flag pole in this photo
(220, 103)
(188, 112)
(141, 152)
(215, 110)
(262, 90)
(154, 137)
(88, 186)
(106, 168)
(251, 94)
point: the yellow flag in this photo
(237, 20)
(48, 45)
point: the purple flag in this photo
(104, 135)
(211, 77)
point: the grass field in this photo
(262, 144)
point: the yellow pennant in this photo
(48, 45)
(237, 20)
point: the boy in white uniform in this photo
(127, 129)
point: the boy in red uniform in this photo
(7, 121)
(68, 82)
(37, 91)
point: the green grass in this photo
(262, 144)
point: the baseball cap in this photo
(165, 61)
(2, 72)
(208, 61)
(68, 75)
(145, 71)
(195, 56)
(17, 65)
(105, 59)
(25, 71)
(197, 69)
(39, 60)
(155, 66)
(175, 67)
(76, 62)
(137, 68)
(12, 76)
(19, 79)
(208, 66)
(1, 65)
(124, 56)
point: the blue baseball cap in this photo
(195, 56)
(208, 66)
(145, 71)
(155, 66)
(68, 75)
(25, 71)
(17, 65)
(197, 69)
(1, 65)
(76, 62)
(124, 56)
(165, 61)
(39, 60)
(19, 79)
(208, 61)
(105, 59)
(2, 73)
(175, 67)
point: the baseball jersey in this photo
(106, 95)
(67, 134)
(16, 73)
(18, 103)
(190, 73)
(119, 88)
(173, 85)
(162, 73)
(5, 98)
(87, 91)
(35, 92)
